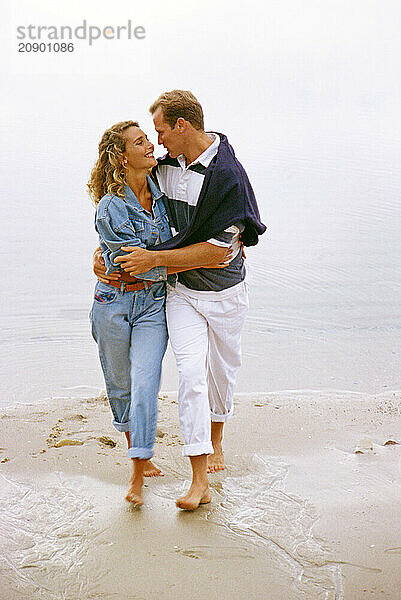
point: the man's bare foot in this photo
(215, 461)
(196, 495)
(135, 493)
(150, 470)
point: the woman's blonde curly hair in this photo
(108, 174)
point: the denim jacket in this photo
(124, 222)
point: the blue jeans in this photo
(131, 333)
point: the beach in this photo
(307, 508)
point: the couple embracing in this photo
(171, 260)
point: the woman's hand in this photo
(99, 268)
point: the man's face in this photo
(171, 139)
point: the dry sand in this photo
(296, 515)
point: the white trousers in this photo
(206, 339)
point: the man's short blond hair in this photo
(179, 103)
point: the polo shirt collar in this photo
(206, 157)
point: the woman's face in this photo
(138, 149)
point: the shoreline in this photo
(296, 514)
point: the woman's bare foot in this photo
(150, 470)
(134, 494)
(196, 495)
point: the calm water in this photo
(317, 128)
(325, 284)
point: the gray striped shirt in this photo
(181, 185)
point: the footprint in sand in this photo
(68, 442)
(106, 441)
(55, 434)
(79, 417)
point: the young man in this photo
(212, 211)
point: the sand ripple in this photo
(258, 509)
(46, 536)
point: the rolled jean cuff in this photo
(221, 418)
(139, 453)
(122, 427)
(197, 449)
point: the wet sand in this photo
(298, 514)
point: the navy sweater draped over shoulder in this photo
(226, 197)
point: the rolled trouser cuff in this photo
(221, 418)
(197, 449)
(140, 453)
(122, 427)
